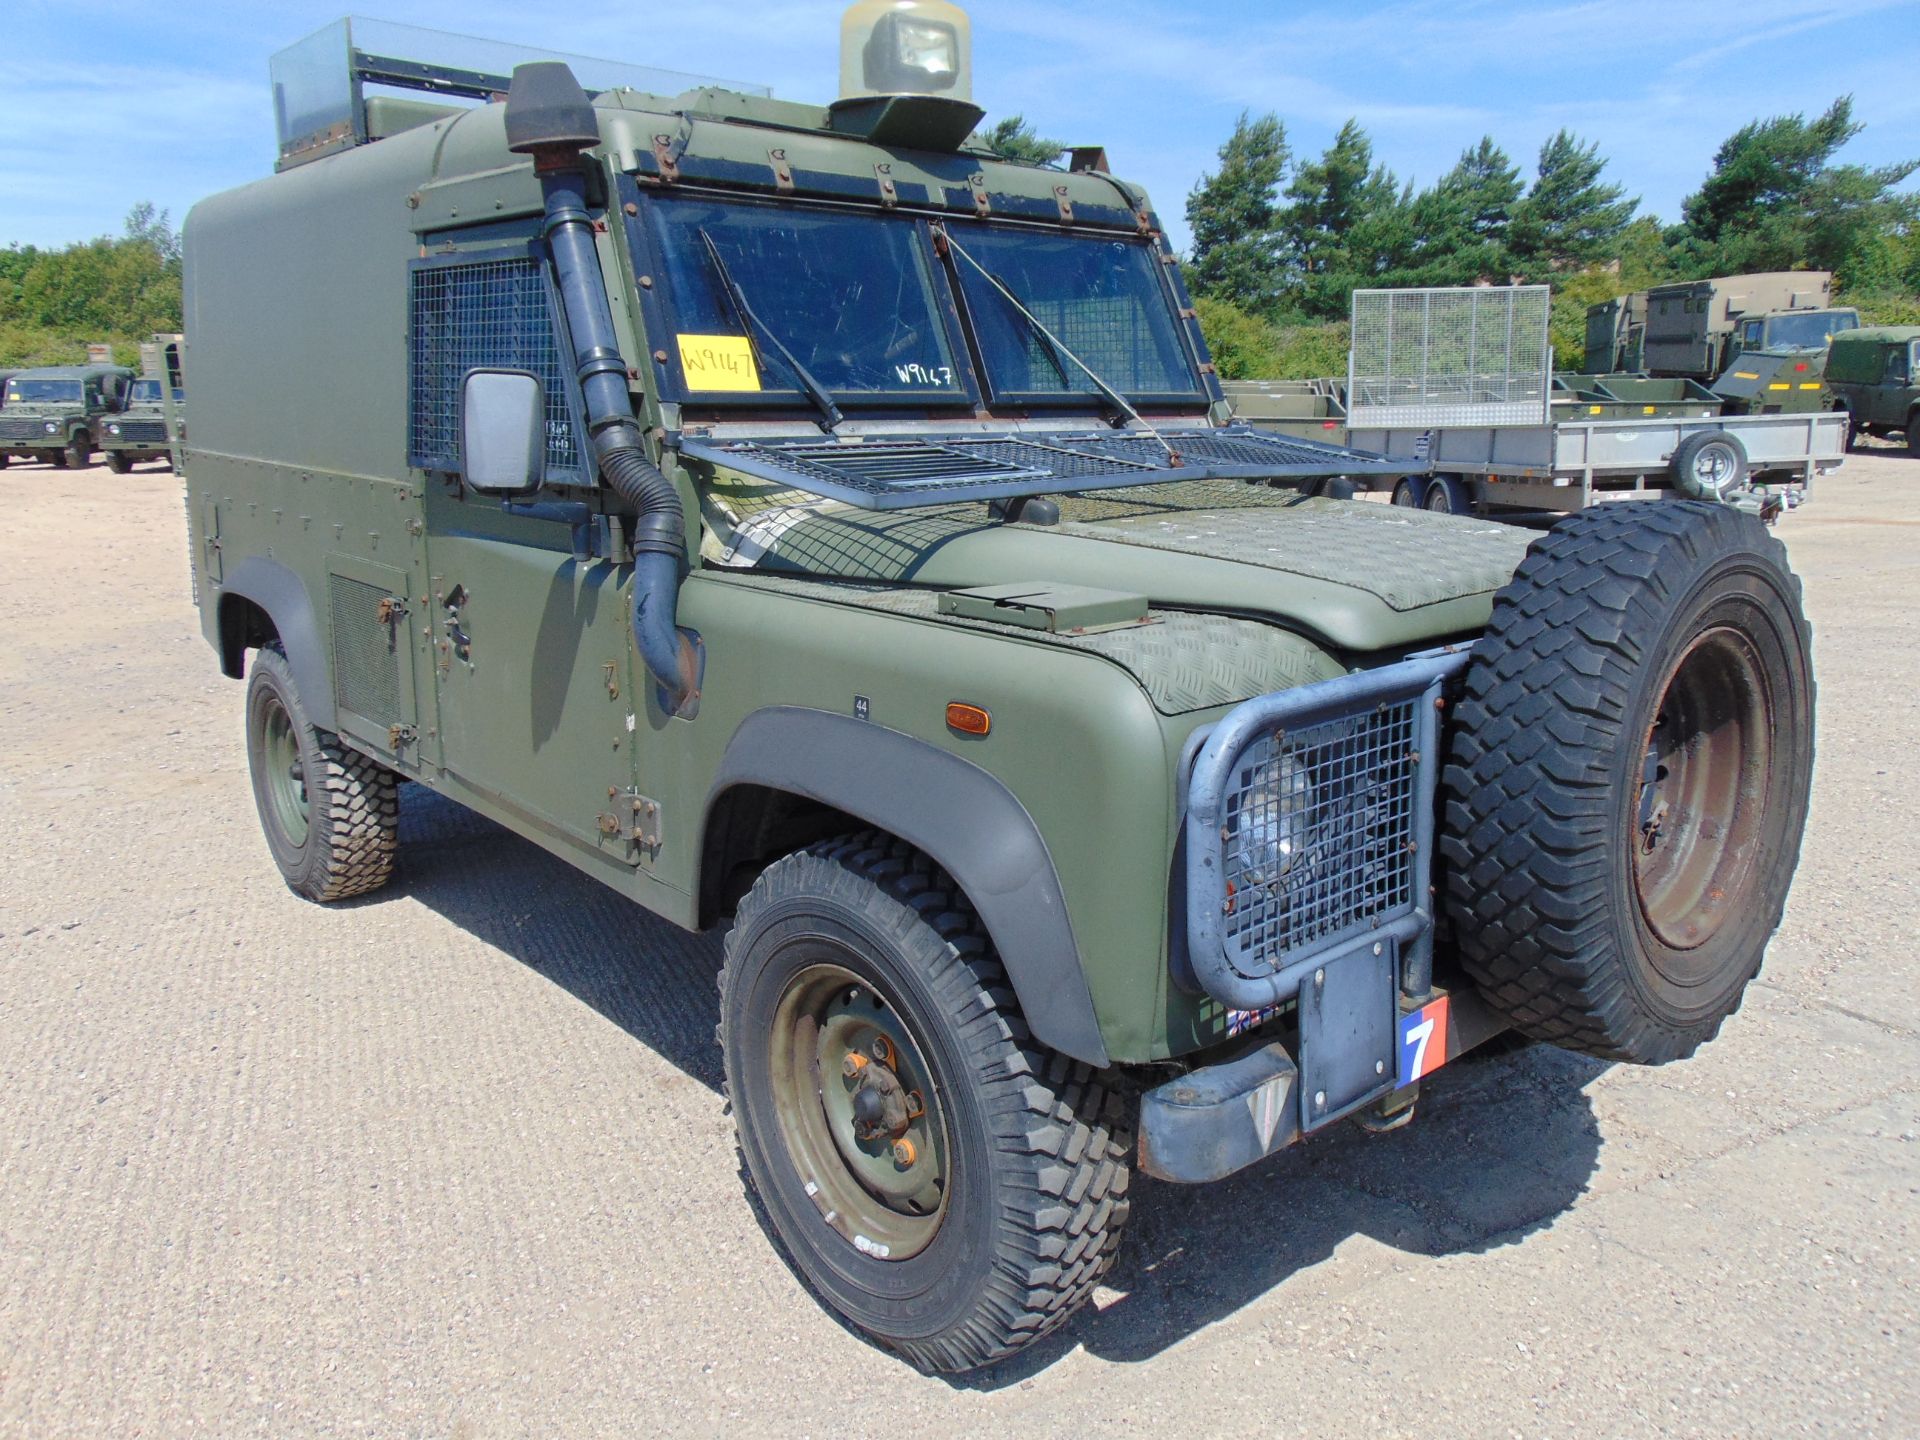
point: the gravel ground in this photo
(452, 1160)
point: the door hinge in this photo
(634, 819)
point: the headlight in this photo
(52, 429)
(1267, 827)
(113, 429)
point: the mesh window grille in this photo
(1427, 358)
(366, 664)
(1319, 834)
(494, 313)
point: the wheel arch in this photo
(262, 600)
(792, 775)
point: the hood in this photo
(1358, 575)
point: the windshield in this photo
(1810, 330)
(850, 296)
(144, 392)
(43, 392)
(1101, 296)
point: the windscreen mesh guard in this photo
(468, 312)
(893, 473)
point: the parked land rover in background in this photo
(1874, 377)
(809, 523)
(50, 412)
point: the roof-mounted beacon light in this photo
(906, 73)
(906, 47)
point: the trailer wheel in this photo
(1448, 495)
(941, 1181)
(1709, 465)
(1407, 492)
(1627, 777)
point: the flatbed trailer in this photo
(1572, 463)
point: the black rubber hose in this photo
(672, 656)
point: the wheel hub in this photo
(854, 1102)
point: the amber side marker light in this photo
(968, 719)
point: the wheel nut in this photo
(853, 1064)
(882, 1051)
(904, 1154)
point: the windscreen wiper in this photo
(1113, 396)
(815, 391)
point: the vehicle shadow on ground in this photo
(1503, 1144)
(649, 977)
(1501, 1147)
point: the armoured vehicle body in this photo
(50, 412)
(1874, 377)
(805, 522)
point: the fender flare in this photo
(961, 817)
(283, 596)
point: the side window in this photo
(491, 309)
(1897, 367)
(1750, 333)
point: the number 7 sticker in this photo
(1423, 1041)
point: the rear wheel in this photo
(331, 815)
(1448, 495)
(941, 1181)
(1627, 778)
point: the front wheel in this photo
(1913, 435)
(77, 453)
(938, 1179)
(118, 462)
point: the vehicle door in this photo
(1889, 397)
(529, 639)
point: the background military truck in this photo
(805, 522)
(1776, 324)
(50, 412)
(138, 431)
(1874, 377)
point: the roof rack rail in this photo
(320, 84)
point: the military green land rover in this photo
(812, 525)
(50, 412)
(1874, 375)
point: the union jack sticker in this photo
(1423, 1040)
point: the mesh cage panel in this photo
(366, 667)
(494, 314)
(1320, 830)
(17, 429)
(1428, 358)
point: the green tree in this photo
(1460, 225)
(1233, 213)
(1348, 224)
(1775, 200)
(1569, 218)
(1012, 138)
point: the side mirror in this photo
(503, 432)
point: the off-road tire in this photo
(77, 453)
(57, 459)
(1913, 435)
(1551, 743)
(353, 802)
(118, 463)
(1037, 1197)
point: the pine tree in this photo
(1568, 218)
(1775, 201)
(1012, 138)
(1233, 213)
(1349, 224)
(1460, 224)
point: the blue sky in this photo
(103, 103)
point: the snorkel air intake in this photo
(548, 117)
